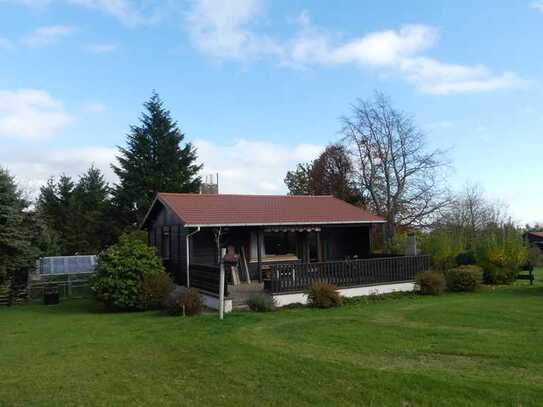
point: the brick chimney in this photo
(210, 185)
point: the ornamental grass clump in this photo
(323, 295)
(154, 288)
(261, 303)
(431, 283)
(190, 303)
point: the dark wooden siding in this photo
(163, 224)
(203, 249)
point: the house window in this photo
(279, 243)
(274, 244)
(165, 243)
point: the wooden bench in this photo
(529, 276)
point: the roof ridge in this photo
(246, 195)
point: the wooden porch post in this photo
(259, 255)
(319, 247)
(370, 240)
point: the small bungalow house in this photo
(280, 243)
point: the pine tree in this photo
(77, 218)
(43, 238)
(154, 160)
(16, 253)
(89, 228)
(54, 207)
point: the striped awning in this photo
(293, 229)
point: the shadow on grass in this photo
(71, 306)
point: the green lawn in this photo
(458, 349)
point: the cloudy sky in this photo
(259, 85)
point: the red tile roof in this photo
(241, 210)
(537, 234)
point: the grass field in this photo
(459, 349)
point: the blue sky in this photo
(259, 85)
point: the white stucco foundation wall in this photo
(301, 298)
(212, 302)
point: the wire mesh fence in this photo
(68, 285)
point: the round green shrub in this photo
(120, 272)
(431, 282)
(464, 278)
(323, 295)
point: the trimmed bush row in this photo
(462, 278)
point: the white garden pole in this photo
(221, 285)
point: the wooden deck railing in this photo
(347, 273)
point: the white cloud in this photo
(102, 48)
(538, 6)
(32, 166)
(226, 30)
(245, 166)
(223, 29)
(398, 51)
(31, 114)
(435, 77)
(47, 35)
(130, 13)
(383, 48)
(253, 166)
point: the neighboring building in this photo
(278, 240)
(535, 239)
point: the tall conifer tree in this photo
(16, 254)
(155, 159)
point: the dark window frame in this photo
(165, 243)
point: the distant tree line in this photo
(382, 162)
(86, 215)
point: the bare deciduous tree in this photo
(471, 212)
(400, 178)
